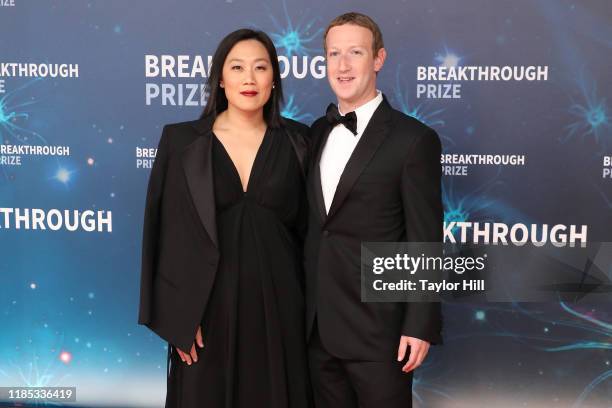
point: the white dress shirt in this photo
(339, 148)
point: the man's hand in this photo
(192, 356)
(418, 352)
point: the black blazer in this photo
(180, 252)
(390, 191)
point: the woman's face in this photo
(247, 76)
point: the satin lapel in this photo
(315, 182)
(372, 137)
(197, 164)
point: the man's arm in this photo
(423, 217)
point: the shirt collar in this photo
(364, 112)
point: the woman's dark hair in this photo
(217, 102)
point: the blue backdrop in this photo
(93, 82)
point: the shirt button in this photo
(326, 233)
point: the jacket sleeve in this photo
(423, 217)
(299, 135)
(150, 235)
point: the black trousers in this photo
(339, 383)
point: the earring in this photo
(221, 84)
(273, 86)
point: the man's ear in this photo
(379, 59)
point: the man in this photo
(375, 176)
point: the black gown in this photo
(254, 351)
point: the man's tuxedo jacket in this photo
(389, 191)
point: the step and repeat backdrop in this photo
(519, 93)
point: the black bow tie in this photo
(334, 118)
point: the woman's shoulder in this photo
(296, 129)
(191, 126)
(299, 135)
(295, 126)
(180, 134)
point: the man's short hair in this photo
(360, 20)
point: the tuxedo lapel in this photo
(316, 189)
(197, 164)
(370, 140)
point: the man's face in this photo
(352, 65)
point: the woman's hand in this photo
(192, 356)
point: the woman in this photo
(221, 276)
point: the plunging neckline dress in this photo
(254, 351)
